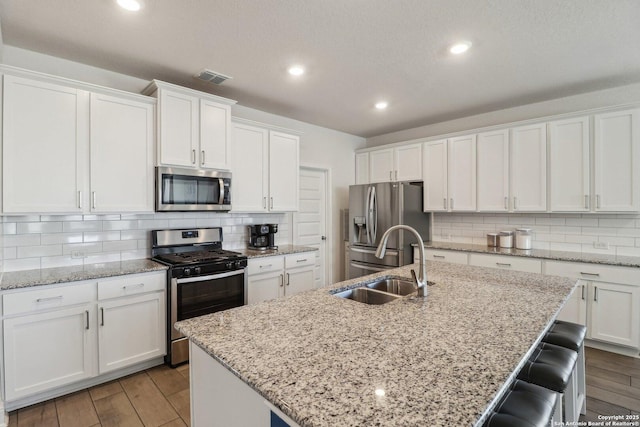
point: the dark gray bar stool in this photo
(551, 366)
(524, 405)
(571, 335)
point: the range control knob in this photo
(239, 264)
(229, 265)
(197, 270)
(187, 272)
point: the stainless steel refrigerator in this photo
(373, 208)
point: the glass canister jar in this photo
(505, 239)
(523, 238)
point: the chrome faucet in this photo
(421, 281)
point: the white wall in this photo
(320, 147)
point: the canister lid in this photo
(524, 230)
(492, 234)
(506, 233)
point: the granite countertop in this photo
(49, 276)
(282, 250)
(442, 360)
(616, 260)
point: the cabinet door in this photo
(462, 173)
(617, 161)
(131, 330)
(263, 287)
(249, 165)
(284, 171)
(362, 168)
(569, 165)
(47, 350)
(435, 176)
(529, 168)
(215, 121)
(615, 313)
(492, 156)
(381, 165)
(178, 139)
(299, 280)
(575, 309)
(408, 163)
(121, 155)
(44, 146)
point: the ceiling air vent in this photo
(211, 76)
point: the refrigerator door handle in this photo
(372, 251)
(368, 267)
(367, 216)
(374, 216)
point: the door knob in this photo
(324, 237)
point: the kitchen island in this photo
(320, 360)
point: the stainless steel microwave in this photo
(180, 189)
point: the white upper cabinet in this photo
(45, 131)
(462, 173)
(492, 174)
(121, 155)
(569, 165)
(381, 165)
(362, 168)
(402, 163)
(284, 171)
(265, 166)
(435, 176)
(89, 152)
(193, 127)
(529, 168)
(617, 161)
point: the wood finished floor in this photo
(160, 397)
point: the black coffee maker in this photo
(263, 236)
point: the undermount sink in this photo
(393, 285)
(367, 296)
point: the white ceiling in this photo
(356, 51)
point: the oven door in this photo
(192, 190)
(200, 295)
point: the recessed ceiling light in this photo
(382, 105)
(296, 70)
(132, 5)
(460, 47)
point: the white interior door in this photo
(311, 220)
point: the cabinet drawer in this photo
(265, 264)
(47, 297)
(446, 256)
(131, 285)
(300, 260)
(595, 272)
(506, 262)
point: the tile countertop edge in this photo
(50, 276)
(202, 333)
(591, 258)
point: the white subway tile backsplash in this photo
(103, 257)
(617, 222)
(571, 247)
(120, 225)
(73, 226)
(9, 228)
(39, 251)
(153, 224)
(57, 218)
(121, 245)
(60, 261)
(626, 251)
(56, 238)
(22, 240)
(21, 264)
(81, 248)
(101, 236)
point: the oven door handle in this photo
(211, 277)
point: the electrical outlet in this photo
(78, 254)
(601, 245)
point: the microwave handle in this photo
(221, 184)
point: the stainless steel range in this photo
(202, 278)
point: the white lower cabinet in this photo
(506, 262)
(454, 257)
(278, 276)
(57, 335)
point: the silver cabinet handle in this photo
(439, 256)
(390, 176)
(506, 203)
(595, 293)
(202, 158)
(271, 207)
(86, 312)
(590, 274)
(515, 203)
(137, 285)
(445, 203)
(266, 266)
(301, 260)
(503, 264)
(396, 175)
(281, 280)
(597, 201)
(586, 201)
(264, 203)
(193, 156)
(79, 199)
(93, 198)
(582, 292)
(451, 203)
(288, 279)
(49, 298)
(101, 316)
